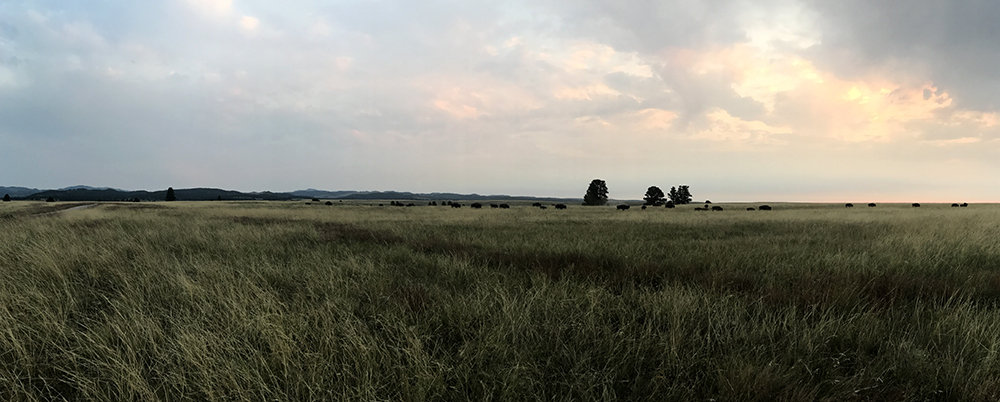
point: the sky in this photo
(773, 100)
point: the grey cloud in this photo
(650, 26)
(955, 43)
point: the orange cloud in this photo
(817, 103)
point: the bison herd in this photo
(621, 207)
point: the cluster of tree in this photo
(597, 194)
(677, 196)
(680, 195)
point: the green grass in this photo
(279, 301)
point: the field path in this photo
(85, 206)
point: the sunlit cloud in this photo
(249, 23)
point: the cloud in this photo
(212, 8)
(249, 23)
(502, 96)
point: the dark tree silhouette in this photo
(654, 196)
(6, 198)
(170, 194)
(680, 195)
(597, 193)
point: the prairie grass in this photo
(266, 301)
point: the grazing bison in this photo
(326, 203)
(494, 206)
(916, 204)
(411, 205)
(476, 205)
(504, 206)
(716, 208)
(669, 205)
(643, 207)
(764, 208)
(455, 205)
(542, 207)
(954, 205)
(700, 209)
(964, 204)
(432, 204)
(622, 207)
(537, 204)
(871, 205)
(560, 206)
(849, 205)
(750, 209)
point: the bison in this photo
(849, 205)
(476, 205)
(700, 209)
(954, 205)
(764, 208)
(716, 208)
(542, 207)
(964, 204)
(494, 206)
(504, 206)
(669, 204)
(622, 207)
(750, 209)
(916, 204)
(537, 204)
(456, 205)
(326, 203)
(643, 207)
(871, 205)
(560, 206)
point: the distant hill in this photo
(88, 193)
(396, 195)
(314, 193)
(184, 194)
(82, 187)
(18, 192)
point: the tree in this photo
(597, 193)
(679, 195)
(170, 194)
(654, 196)
(685, 193)
(6, 198)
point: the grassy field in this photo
(282, 301)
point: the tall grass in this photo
(283, 301)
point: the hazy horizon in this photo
(776, 100)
